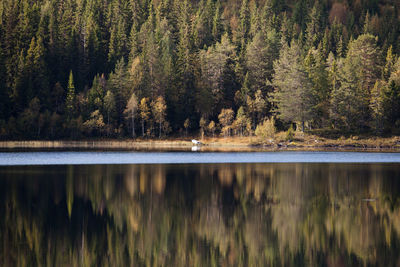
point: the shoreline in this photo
(232, 144)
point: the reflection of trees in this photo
(204, 215)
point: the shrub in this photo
(290, 133)
(266, 129)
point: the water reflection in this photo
(201, 215)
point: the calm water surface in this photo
(227, 214)
(126, 157)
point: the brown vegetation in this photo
(301, 141)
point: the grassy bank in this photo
(300, 142)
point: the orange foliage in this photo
(339, 13)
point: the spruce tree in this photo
(244, 26)
(70, 100)
(292, 95)
(389, 64)
(317, 70)
(361, 68)
(216, 23)
(109, 106)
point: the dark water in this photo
(242, 214)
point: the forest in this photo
(72, 69)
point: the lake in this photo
(180, 209)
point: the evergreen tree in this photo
(292, 94)
(316, 67)
(391, 99)
(244, 26)
(144, 112)
(377, 106)
(216, 76)
(4, 96)
(241, 121)
(200, 26)
(118, 42)
(300, 14)
(314, 26)
(226, 118)
(361, 69)
(217, 23)
(130, 111)
(389, 64)
(70, 100)
(268, 17)
(109, 106)
(260, 55)
(183, 97)
(159, 111)
(96, 93)
(120, 85)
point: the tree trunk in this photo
(108, 123)
(143, 128)
(159, 136)
(133, 124)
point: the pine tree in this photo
(186, 125)
(255, 23)
(259, 105)
(361, 69)
(244, 26)
(314, 29)
(118, 42)
(96, 93)
(299, 14)
(377, 106)
(159, 111)
(367, 24)
(211, 127)
(216, 76)
(120, 84)
(202, 125)
(144, 112)
(240, 121)
(389, 65)
(391, 102)
(130, 111)
(292, 94)
(4, 97)
(109, 105)
(316, 67)
(217, 24)
(134, 41)
(200, 26)
(260, 55)
(70, 100)
(183, 97)
(226, 118)
(267, 17)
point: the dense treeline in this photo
(75, 68)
